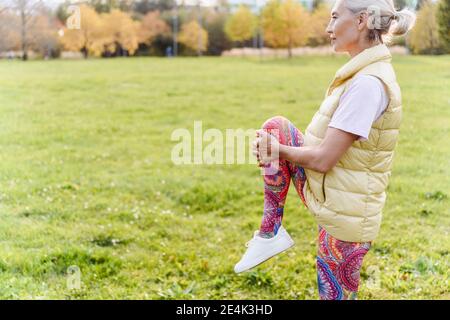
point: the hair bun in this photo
(405, 20)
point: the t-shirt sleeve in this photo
(360, 106)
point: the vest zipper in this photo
(323, 188)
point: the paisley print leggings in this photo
(338, 262)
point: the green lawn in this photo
(86, 179)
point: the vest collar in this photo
(364, 58)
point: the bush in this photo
(425, 36)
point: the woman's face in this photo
(344, 28)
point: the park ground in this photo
(86, 180)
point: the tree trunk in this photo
(290, 48)
(85, 49)
(24, 32)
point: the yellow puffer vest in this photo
(348, 200)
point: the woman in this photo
(341, 165)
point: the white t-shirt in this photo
(360, 106)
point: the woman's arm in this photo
(321, 158)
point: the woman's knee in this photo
(276, 122)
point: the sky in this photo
(259, 3)
(54, 3)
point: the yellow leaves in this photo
(424, 35)
(270, 21)
(121, 30)
(194, 36)
(89, 37)
(242, 25)
(319, 22)
(285, 24)
(100, 33)
(151, 26)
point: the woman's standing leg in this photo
(276, 186)
(338, 266)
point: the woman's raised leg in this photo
(276, 185)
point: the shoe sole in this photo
(268, 258)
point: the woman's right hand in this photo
(266, 148)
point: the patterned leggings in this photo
(338, 262)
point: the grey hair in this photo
(384, 20)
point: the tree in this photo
(420, 3)
(317, 3)
(425, 35)
(105, 6)
(26, 10)
(151, 26)
(194, 37)
(320, 18)
(144, 6)
(27, 25)
(242, 25)
(270, 22)
(121, 32)
(90, 38)
(443, 17)
(9, 31)
(215, 26)
(61, 11)
(43, 37)
(285, 24)
(400, 4)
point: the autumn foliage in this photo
(122, 31)
(286, 24)
(242, 25)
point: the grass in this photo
(86, 180)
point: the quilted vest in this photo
(348, 200)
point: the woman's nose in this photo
(329, 29)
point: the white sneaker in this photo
(261, 249)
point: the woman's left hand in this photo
(266, 148)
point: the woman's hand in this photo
(266, 148)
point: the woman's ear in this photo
(362, 20)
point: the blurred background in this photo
(111, 28)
